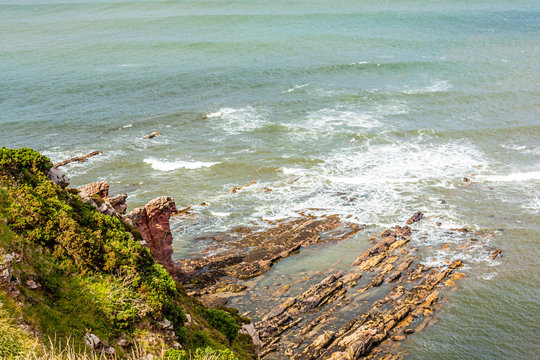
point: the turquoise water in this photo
(371, 110)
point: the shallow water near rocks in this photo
(364, 109)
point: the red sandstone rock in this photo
(152, 220)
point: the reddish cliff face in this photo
(152, 220)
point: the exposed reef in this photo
(252, 251)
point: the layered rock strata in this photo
(251, 251)
(387, 295)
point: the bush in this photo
(200, 354)
(85, 242)
(223, 322)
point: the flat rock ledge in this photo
(251, 251)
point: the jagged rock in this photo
(119, 203)
(32, 285)
(152, 135)
(91, 340)
(250, 330)
(417, 216)
(78, 158)
(496, 253)
(100, 188)
(108, 350)
(213, 301)
(252, 252)
(58, 177)
(234, 190)
(97, 194)
(122, 342)
(152, 220)
(188, 321)
(166, 324)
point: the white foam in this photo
(522, 148)
(524, 176)
(237, 120)
(293, 171)
(174, 165)
(357, 180)
(296, 87)
(220, 214)
(436, 86)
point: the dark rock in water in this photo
(78, 159)
(152, 135)
(417, 216)
(496, 253)
(388, 279)
(58, 177)
(152, 220)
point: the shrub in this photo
(223, 322)
(85, 242)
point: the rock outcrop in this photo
(97, 194)
(253, 251)
(78, 159)
(58, 177)
(388, 294)
(152, 220)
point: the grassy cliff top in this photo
(72, 272)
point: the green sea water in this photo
(367, 109)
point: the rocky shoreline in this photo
(366, 311)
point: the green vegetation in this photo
(93, 275)
(222, 321)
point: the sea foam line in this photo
(524, 176)
(174, 165)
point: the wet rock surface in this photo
(365, 311)
(251, 251)
(386, 294)
(78, 158)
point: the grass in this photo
(93, 276)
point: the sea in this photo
(371, 110)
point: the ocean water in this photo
(367, 109)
